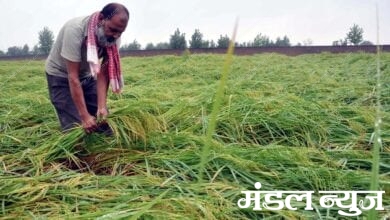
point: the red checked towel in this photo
(114, 66)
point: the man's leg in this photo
(62, 100)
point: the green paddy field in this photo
(291, 123)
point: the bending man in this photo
(82, 63)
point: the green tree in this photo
(340, 42)
(212, 44)
(223, 41)
(2, 53)
(250, 44)
(149, 46)
(196, 39)
(261, 41)
(18, 51)
(355, 35)
(36, 50)
(131, 46)
(15, 51)
(205, 44)
(25, 49)
(243, 44)
(162, 45)
(178, 40)
(285, 42)
(367, 43)
(46, 40)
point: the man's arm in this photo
(87, 120)
(102, 88)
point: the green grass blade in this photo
(217, 103)
(373, 214)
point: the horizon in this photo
(152, 21)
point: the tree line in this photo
(45, 42)
(178, 41)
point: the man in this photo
(78, 82)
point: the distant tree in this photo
(25, 49)
(261, 41)
(178, 40)
(223, 41)
(343, 42)
(355, 35)
(2, 53)
(149, 46)
(340, 42)
(366, 42)
(131, 46)
(307, 42)
(278, 41)
(36, 50)
(250, 44)
(243, 44)
(18, 51)
(15, 51)
(285, 42)
(205, 44)
(196, 39)
(46, 40)
(162, 45)
(212, 44)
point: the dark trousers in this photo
(61, 98)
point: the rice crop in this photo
(292, 123)
(376, 136)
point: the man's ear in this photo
(101, 20)
(101, 17)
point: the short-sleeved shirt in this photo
(71, 45)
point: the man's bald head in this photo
(113, 21)
(112, 9)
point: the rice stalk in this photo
(216, 104)
(374, 185)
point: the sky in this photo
(152, 21)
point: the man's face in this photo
(111, 29)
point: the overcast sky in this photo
(321, 21)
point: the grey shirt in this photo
(70, 45)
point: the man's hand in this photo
(89, 124)
(103, 126)
(102, 114)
